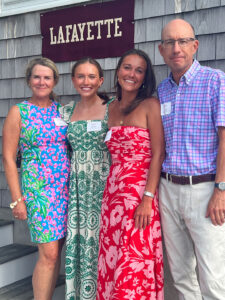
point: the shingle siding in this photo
(202, 4)
(207, 48)
(20, 41)
(153, 8)
(207, 21)
(178, 6)
(220, 46)
(138, 9)
(4, 108)
(6, 88)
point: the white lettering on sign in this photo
(98, 24)
(60, 36)
(68, 28)
(89, 36)
(108, 22)
(81, 31)
(117, 33)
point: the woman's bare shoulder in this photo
(14, 112)
(151, 103)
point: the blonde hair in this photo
(46, 62)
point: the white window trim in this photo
(15, 7)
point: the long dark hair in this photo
(94, 62)
(148, 87)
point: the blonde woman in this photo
(35, 126)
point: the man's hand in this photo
(216, 207)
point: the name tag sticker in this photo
(166, 108)
(94, 126)
(108, 136)
(60, 122)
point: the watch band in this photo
(149, 194)
(220, 185)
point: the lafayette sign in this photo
(84, 31)
(98, 30)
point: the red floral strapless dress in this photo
(130, 260)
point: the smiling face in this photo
(178, 58)
(131, 73)
(41, 81)
(87, 80)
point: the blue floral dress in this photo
(44, 171)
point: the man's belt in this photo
(188, 179)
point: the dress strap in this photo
(66, 111)
(72, 110)
(107, 108)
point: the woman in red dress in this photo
(130, 251)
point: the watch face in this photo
(221, 186)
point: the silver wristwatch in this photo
(149, 194)
(220, 185)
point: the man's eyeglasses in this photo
(181, 42)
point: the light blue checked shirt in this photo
(191, 113)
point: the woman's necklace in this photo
(121, 121)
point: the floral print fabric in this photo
(89, 169)
(45, 171)
(130, 260)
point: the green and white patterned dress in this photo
(89, 170)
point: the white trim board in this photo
(15, 7)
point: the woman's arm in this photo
(154, 124)
(11, 134)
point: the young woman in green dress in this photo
(87, 127)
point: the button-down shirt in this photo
(191, 113)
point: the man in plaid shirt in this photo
(192, 186)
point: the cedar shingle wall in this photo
(20, 40)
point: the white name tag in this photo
(166, 108)
(60, 122)
(108, 136)
(94, 126)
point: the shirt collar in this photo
(189, 76)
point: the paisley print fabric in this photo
(89, 169)
(130, 260)
(44, 171)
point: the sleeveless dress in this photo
(44, 171)
(89, 169)
(130, 260)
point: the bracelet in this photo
(149, 194)
(14, 204)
